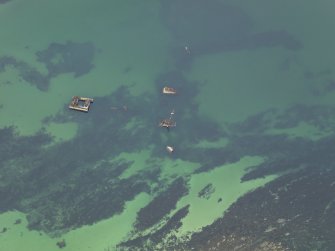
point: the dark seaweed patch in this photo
(161, 205)
(197, 23)
(150, 240)
(26, 72)
(320, 116)
(326, 88)
(67, 58)
(292, 210)
(207, 191)
(272, 39)
(75, 180)
(282, 215)
(216, 26)
(86, 197)
(172, 224)
(59, 58)
(50, 187)
(64, 193)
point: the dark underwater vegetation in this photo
(83, 187)
(62, 186)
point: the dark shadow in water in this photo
(213, 27)
(58, 58)
(69, 57)
(26, 72)
(161, 205)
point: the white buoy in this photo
(170, 149)
(187, 49)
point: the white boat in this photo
(170, 149)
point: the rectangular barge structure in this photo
(80, 103)
(169, 90)
(167, 123)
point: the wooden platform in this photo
(169, 90)
(80, 103)
(167, 123)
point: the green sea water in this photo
(133, 47)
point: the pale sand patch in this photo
(227, 184)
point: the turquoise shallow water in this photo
(131, 37)
(242, 59)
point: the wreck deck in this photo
(80, 103)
